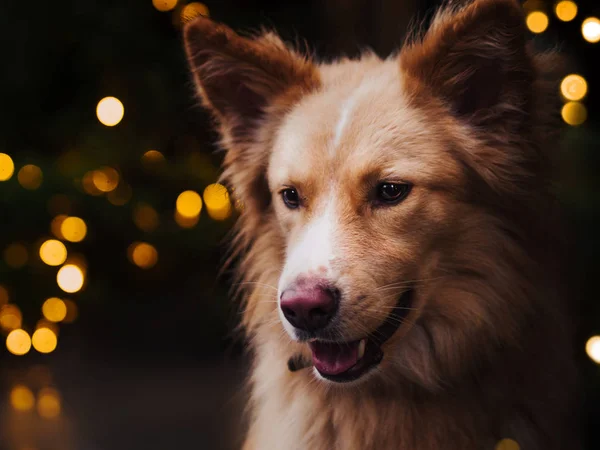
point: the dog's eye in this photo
(290, 198)
(392, 193)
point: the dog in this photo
(396, 247)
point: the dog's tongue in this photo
(332, 359)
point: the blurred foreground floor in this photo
(120, 405)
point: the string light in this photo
(143, 255)
(21, 398)
(10, 317)
(193, 10)
(216, 199)
(16, 255)
(566, 10)
(164, 5)
(105, 179)
(48, 404)
(73, 229)
(590, 29)
(53, 252)
(507, 444)
(70, 278)
(44, 340)
(537, 22)
(574, 113)
(54, 309)
(189, 204)
(18, 342)
(30, 177)
(7, 167)
(573, 87)
(110, 111)
(592, 348)
(145, 217)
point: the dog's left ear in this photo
(476, 60)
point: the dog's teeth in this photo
(361, 348)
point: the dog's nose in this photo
(309, 306)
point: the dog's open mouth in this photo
(348, 361)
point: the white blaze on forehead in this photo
(314, 251)
(347, 108)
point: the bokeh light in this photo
(105, 179)
(152, 159)
(87, 183)
(573, 87)
(44, 340)
(53, 252)
(48, 404)
(216, 199)
(164, 5)
(10, 317)
(186, 222)
(193, 10)
(18, 342)
(592, 348)
(72, 311)
(537, 22)
(566, 10)
(54, 309)
(56, 225)
(70, 278)
(120, 196)
(73, 229)
(30, 177)
(145, 217)
(4, 298)
(59, 204)
(590, 29)
(189, 204)
(7, 167)
(574, 113)
(143, 255)
(110, 111)
(21, 398)
(507, 444)
(16, 255)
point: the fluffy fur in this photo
(462, 114)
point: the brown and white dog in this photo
(396, 236)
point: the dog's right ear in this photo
(238, 78)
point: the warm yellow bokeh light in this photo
(53, 252)
(88, 185)
(566, 10)
(590, 29)
(186, 222)
(4, 298)
(573, 87)
(193, 10)
(592, 348)
(164, 5)
(10, 317)
(7, 167)
(143, 255)
(121, 195)
(72, 311)
(189, 204)
(145, 217)
(216, 199)
(574, 113)
(70, 278)
(110, 111)
(73, 229)
(537, 22)
(16, 255)
(152, 159)
(56, 224)
(507, 444)
(105, 179)
(21, 398)
(30, 177)
(18, 342)
(44, 340)
(48, 404)
(54, 309)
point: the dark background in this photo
(151, 361)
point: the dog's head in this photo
(381, 195)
